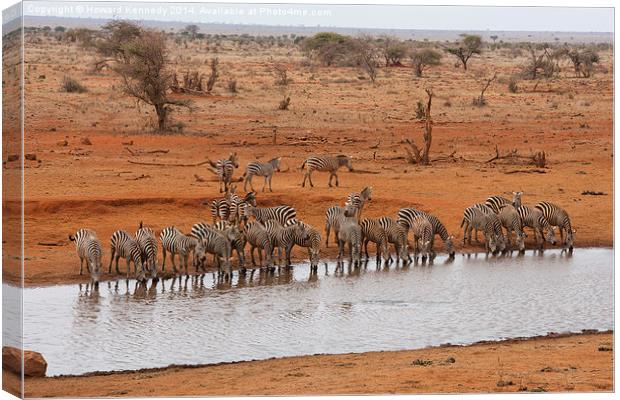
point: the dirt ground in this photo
(74, 185)
(575, 363)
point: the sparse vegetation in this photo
(214, 65)
(71, 85)
(421, 58)
(583, 61)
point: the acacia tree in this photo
(138, 57)
(367, 55)
(422, 58)
(465, 48)
(192, 31)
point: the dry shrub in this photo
(71, 85)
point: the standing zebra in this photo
(238, 243)
(372, 231)
(496, 202)
(220, 209)
(311, 239)
(510, 219)
(258, 237)
(145, 237)
(350, 234)
(397, 235)
(238, 206)
(88, 248)
(282, 214)
(534, 218)
(175, 242)
(485, 209)
(214, 242)
(224, 170)
(359, 199)
(283, 237)
(490, 224)
(123, 245)
(325, 163)
(405, 218)
(334, 216)
(557, 216)
(422, 237)
(261, 169)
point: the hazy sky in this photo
(354, 16)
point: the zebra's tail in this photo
(72, 238)
(140, 227)
(463, 222)
(303, 165)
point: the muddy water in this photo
(197, 321)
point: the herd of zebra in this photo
(238, 221)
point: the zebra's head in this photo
(233, 159)
(250, 198)
(350, 210)
(275, 163)
(450, 246)
(344, 160)
(366, 193)
(200, 254)
(521, 241)
(550, 236)
(516, 199)
(492, 244)
(568, 242)
(501, 243)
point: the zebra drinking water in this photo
(123, 245)
(557, 216)
(372, 231)
(88, 248)
(145, 237)
(405, 218)
(359, 199)
(534, 218)
(397, 235)
(175, 242)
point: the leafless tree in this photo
(480, 100)
(416, 155)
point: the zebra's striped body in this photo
(283, 237)
(325, 163)
(372, 231)
(217, 243)
(350, 233)
(281, 214)
(173, 241)
(123, 245)
(511, 221)
(497, 202)
(422, 237)
(405, 218)
(557, 216)
(358, 200)
(396, 235)
(224, 170)
(534, 218)
(238, 206)
(333, 218)
(311, 239)
(145, 237)
(220, 210)
(238, 243)
(261, 169)
(258, 238)
(88, 248)
(485, 209)
(474, 218)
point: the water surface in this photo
(198, 321)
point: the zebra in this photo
(282, 214)
(283, 237)
(123, 245)
(372, 231)
(261, 169)
(534, 218)
(325, 163)
(422, 229)
(175, 242)
(238, 206)
(88, 248)
(405, 217)
(510, 219)
(216, 243)
(311, 240)
(557, 216)
(349, 233)
(496, 202)
(474, 218)
(485, 209)
(396, 235)
(258, 237)
(145, 237)
(224, 170)
(220, 210)
(238, 244)
(333, 217)
(359, 199)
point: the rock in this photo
(34, 363)
(12, 157)
(63, 143)
(86, 141)
(31, 156)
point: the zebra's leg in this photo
(303, 184)
(331, 176)
(245, 183)
(327, 229)
(340, 249)
(337, 181)
(365, 245)
(174, 266)
(265, 183)
(252, 248)
(82, 262)
(310, 178)
(270, 189)
(117, 258)
(163, 264)
(109, 267)
(128, 260)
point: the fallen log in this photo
(526, 171)
(156, 164)
(138, 152)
